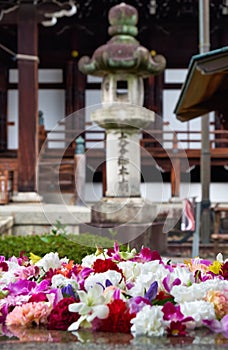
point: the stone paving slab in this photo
(83, 340)
(43, 214)
(105, 346)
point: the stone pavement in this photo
(37, 218)
(79, 346)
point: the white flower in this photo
(183, 273)
(156, 269)
(150, 272)
(113, 276)
(148, 321)
(88, 260)
(9, 276)
(142, 284)
(219, 257)
(199, 310)
(197, 291)
(50, 260)
(131, 270)
(60, 281)
(91, 305)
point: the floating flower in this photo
(148, 321)
(118, 320)
(176, 328)
(27, 272)
(215, 267)
(90, 306)
(29, 314)
(60, 317)
(117, 291)
(34, 258)
(224, 270)
(50, 260)
(220, 301)
(198, 311)
(105, 265)
(218, 326)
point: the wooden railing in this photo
(181, 139)
(167, 139)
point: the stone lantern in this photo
(122, 63)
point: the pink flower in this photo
(220, 301)
(177, 325)
(173, 313)
(27, 272)
(29, 314)
(218, 326)
(114, 253)
(147, 255)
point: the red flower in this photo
(224, 271)
(105, 265)
(162, 297)
(176, 328)
(38, 297)
(3, 266)
(60, 317)
(118, 319)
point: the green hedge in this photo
(74, 247)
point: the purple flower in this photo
(167, 285)
(68, 291)
(29, 288)
(218, 326)
(21, 287)
(115, 253)
(152, 291)
(116, 294)
(81, 274)
(108, 283)
(137, 303)
(3, 313)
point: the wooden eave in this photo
(206, 86)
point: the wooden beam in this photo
(42, 86)
(28, 98)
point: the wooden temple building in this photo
(53, 35)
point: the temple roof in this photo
(206, 86)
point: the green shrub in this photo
(74, 247)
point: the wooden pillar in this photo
(28, 98)
(175, 178)
(79, 97)
(75, 95)
(3, 108)
(69, 108)
(153, 100)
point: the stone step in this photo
(6, 225)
